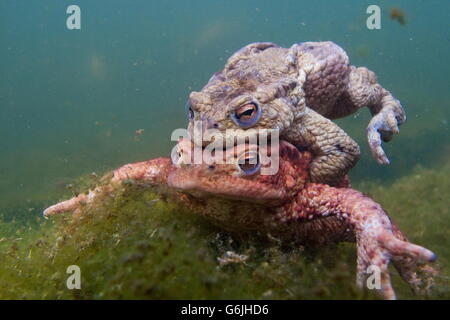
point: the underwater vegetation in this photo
(139, 247)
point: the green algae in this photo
(136, 246)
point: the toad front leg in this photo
(335, 153)
(379, 242)
(152, 173)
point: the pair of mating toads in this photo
(308, 200)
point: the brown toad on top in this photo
(297, 90)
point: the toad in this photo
(287, 206)
(297, 91)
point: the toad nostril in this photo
(211, 167)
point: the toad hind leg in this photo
(378, 241)
(375, 253)
(364, 90)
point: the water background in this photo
(71, 101)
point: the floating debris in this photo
(399, 15)
(108, 133)
(363, 51)
(138, 133)
(151, 203)
(231, 257)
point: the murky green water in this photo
(71, 100)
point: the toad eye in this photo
(249, 163)
(246, 115)
(190, 111)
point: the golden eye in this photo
(246, 112)
(249, 163)
(246, 115)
